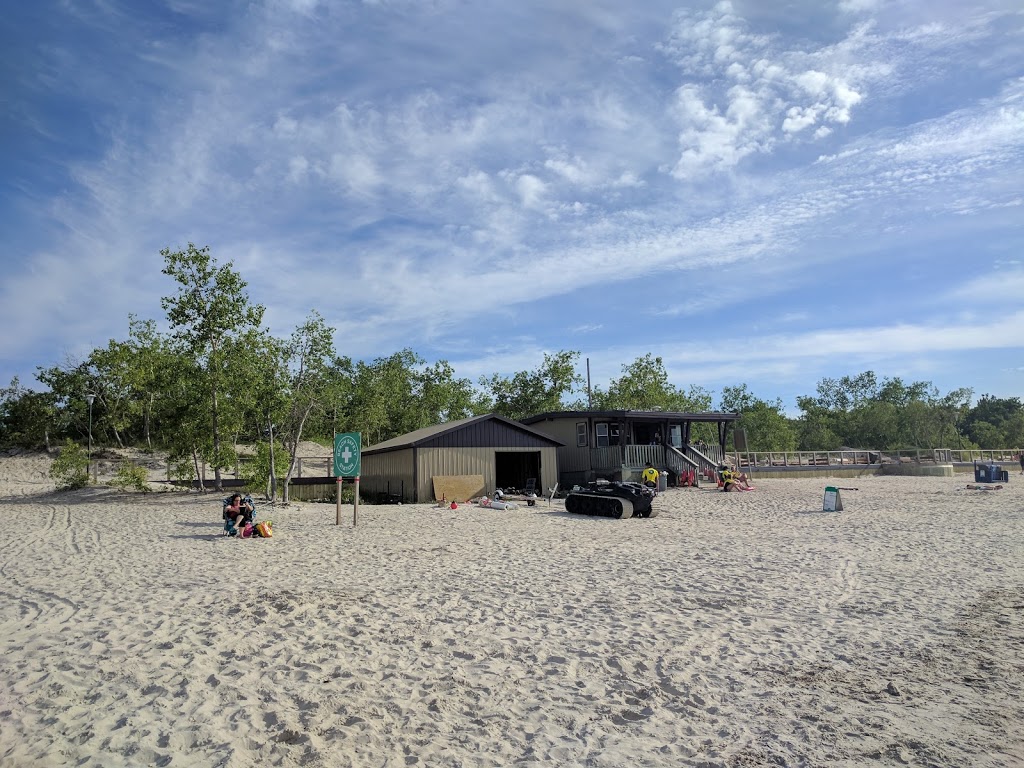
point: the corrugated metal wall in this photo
(487, 434)
(378, 469)
(478, 461)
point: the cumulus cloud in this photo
(754, 91)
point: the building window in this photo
(581, 434)
(675, 436)
(601, 435)
(613, 435)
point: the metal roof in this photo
(635, 416)
(420, 436)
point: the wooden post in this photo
(337, 512)
(355, 503)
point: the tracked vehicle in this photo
(611, 499)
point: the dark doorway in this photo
(648, 434)
(512, 470)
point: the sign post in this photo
(833, 501)
(347, 447)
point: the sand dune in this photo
(732, 630)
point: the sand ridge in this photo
(731, 630)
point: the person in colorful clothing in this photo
(650, 475)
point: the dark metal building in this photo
(505, 452)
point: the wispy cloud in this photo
(455, 178)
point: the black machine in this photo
(611, 499)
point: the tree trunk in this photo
(199, 475)
(214, 362)
(294, 449)
(272, 480)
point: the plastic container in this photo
(987, 473)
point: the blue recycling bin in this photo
(987, 473)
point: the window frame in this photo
(581, 434)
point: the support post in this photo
(355, 503)
(337, 512)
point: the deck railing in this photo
(840, 458)
(639, 455)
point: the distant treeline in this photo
(218, 378)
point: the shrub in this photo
(132, 477)
(70, 469)
(256, 471)
(183, 468)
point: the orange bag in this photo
(264, 529)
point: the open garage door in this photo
(513, 469)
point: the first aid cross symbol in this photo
(346, 454)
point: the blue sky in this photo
(759, 192)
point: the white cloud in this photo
(460, 162)
(985, 287)
(858, 6)
(531, 190)
(767, 91)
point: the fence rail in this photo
(852, 458)
(639, 455)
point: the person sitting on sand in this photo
(732, 480)
(238, 511)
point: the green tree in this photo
(644, 386)
(444, 397)
(152, 358)
(27, 418)
(863, 412)
(307, 358)
(985, 424)
(210, 310)
(766, 424)
(381, 403)
(69, 385)
(527, 393)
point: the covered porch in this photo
(616, 445)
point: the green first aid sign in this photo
(346, 454)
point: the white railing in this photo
(639, 455)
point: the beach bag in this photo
(264, 529)
(247, 531)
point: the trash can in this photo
(987, 473)
(662, 482)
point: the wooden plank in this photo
(458, 487)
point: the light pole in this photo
(90, 397)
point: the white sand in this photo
(732, 630)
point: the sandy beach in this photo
(745, 629)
